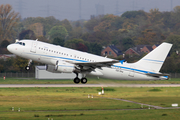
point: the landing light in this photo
(16, 40)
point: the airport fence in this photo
(174, 75)
(32, 75)
(18, 75)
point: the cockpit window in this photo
(20, 43)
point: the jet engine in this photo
(61, 67)
(64, 67)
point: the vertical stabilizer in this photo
(154, 60)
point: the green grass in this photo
(91, 80)
(56, 99)
(164, 96)
(95, 115)
(73, 103)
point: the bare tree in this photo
(8, 22)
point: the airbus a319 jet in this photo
(65, 60)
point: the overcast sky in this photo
(71, 10)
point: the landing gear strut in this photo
(28, 66)
(77, 80)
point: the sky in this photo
(83, 9)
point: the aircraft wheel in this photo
(27, 68)
(83, 80)
(76, 80)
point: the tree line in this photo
(128, 30)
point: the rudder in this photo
(154, 60)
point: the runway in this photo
(86, 85)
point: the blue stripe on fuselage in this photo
(142, 71)
(132, 69)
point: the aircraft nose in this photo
(9, 48)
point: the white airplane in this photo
(65, 60)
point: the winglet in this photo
(121, 61)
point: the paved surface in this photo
(143, 85)
(149, 106)
(49, 85)
(88, 85)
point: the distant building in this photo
(134, 51)
(111, 50)
(41, 73)
(146, 49)
(99, 9)
(131, 51)
(140, 49)
(155, 46)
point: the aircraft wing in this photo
(98, 64)
(93, 65)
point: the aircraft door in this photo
(33, 47)
(131, 73)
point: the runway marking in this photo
(150, 106)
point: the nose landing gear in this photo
(28, 66)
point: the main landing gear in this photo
(77, 80)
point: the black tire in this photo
(27, 68)
(76, 80)
(83, 80)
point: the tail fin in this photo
(154, 60)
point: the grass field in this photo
(94, 115)
(91, 80)
(73, 103)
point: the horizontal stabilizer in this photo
(157, 74)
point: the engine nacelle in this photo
(65, 67)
